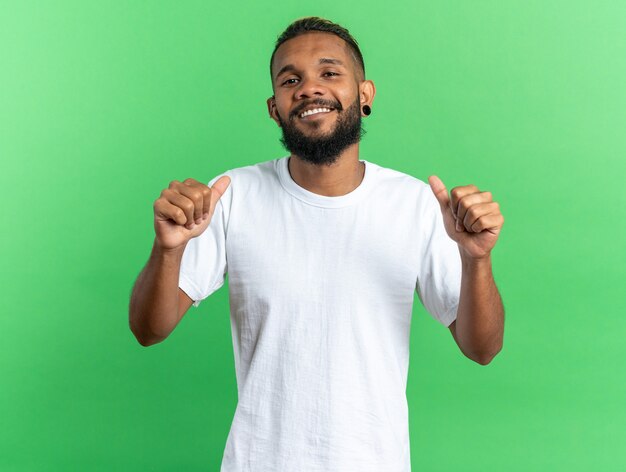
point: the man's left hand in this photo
(471, 217)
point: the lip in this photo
(315, 116)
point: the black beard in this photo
(324, 149)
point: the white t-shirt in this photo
(321, 294)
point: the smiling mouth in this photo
(315, 112)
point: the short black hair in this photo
(315, 23)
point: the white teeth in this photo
(315, 110)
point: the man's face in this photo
(316, 71)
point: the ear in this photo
(367, 91)
(271, 108)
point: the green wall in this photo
(102, 104)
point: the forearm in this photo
(153, 311)
(480, 318)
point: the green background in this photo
(102, 104)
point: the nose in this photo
(309, 88)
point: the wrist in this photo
(161, 252)
(472, 261)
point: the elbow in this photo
(140, 337)
(143, 337)
(144, 341)
(147, 341)
(483, 360)
(486, 358)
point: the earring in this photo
(366, 109)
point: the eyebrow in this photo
(323, 60)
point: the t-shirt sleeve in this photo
(439, 277)
(204, 264)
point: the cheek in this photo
(282, 113)
(348, 98)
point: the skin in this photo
(184, 210)
(329, 82)
(471, 218)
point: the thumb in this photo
(440, 191)
(218, 189)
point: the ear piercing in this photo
(366, 109)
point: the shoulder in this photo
(249, 176)
(258, 181)
(391, 176)
(251, 172)
(395, 183)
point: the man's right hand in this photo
(184, 211)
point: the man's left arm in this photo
(473, 220)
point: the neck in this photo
(335, 180)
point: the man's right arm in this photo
(157, 304)
(182, 212)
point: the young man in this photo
(324, 254)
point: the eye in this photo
(289, 81)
